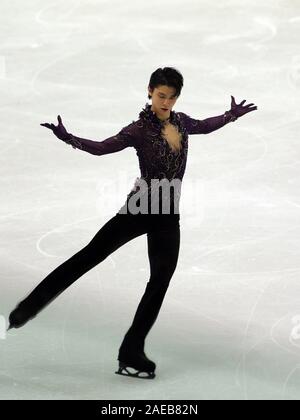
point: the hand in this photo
(59, 130)
(238, 109)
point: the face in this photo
(163, 97)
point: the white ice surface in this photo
(229, 327)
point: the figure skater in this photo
(160, 139)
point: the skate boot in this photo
(133, 361)
(20, 316)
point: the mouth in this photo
(164, 109)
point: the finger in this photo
(232, 98)
(249, 105)
(59, 119)
(243, 102)
(250, 109)
(46, 125)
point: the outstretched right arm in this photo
(123, 139)
(110, 145)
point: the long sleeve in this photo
(125, 138)
(207, 125)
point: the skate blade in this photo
(136, 373)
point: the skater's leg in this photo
(116, 232)
(163, 251)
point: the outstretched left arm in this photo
(210, 124)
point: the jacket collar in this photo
(148, 114)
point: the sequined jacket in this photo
(156, 158)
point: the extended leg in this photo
(116, 232)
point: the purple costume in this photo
(156, 158)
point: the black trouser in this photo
(163, 237)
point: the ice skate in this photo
(133, 372)
(133, 361)
(138, 366)
(19, 317)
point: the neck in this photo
(159, 117)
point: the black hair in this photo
(166, 76)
